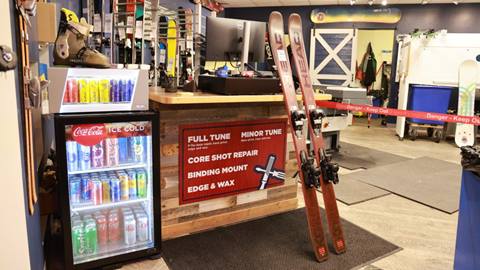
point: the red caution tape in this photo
(472, 120)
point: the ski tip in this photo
(276, 15)
(295, 17)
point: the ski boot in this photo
(71, 47)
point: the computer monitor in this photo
(225, 40)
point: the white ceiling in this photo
(273, 3)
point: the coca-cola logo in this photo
(89, 134)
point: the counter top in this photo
(206, 98)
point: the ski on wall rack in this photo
(328, 169)
(308, 173)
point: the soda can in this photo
(123, 150)
(105, 188)
(115, 189)
(141, 183)
(122, 89)
(87, 187)
(104, 91)
(75, 190)
(124, 186)
(94, 93)
(72, 156)
(102, 229)
(114, 91)
(129, 91)
(132, 184)
(142, 227)
(114, 233)
(129, 229)
(111, 151)
(84, 159)
(98, 155)
(70, 94)
(90, 238)
(73, 91)
(78, 235)
(137, 146)
(97, 196)
(83, 91)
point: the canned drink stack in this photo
(98, 155)
(114, 91)
(105, 188)
(129, 229)
(94, 93)
(87, 187)
(114, 233)
(104, 90)
(137, 145)
(102, 228)
(83, 91)
(78, 237)
(122, 87)
(141, 183)
(84, 158)
(129, 91)
(72, 156)
(123, 151)
(111, 151)
(142, 227)
(97, 191)
(132, 184)
(91, 246)
(124, 185)
(75, 190)
(115, 189)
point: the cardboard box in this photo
(46, 22)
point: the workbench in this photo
(189, 108)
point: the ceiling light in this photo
(424, 2)
(384, 2)
(370, 2)
(455, 2)
(352, 2)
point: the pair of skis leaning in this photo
(312, 176)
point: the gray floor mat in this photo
(276, 242)
(352, 157)
(433, 182)
(350, 191)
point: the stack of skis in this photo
(315, 167)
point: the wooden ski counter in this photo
(223, 159)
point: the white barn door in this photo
(332, 56)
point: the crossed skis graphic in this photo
(268, 172)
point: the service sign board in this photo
(222, 159)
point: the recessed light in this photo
(424, 2)
(370, 2)
(455, 2)
(384, 2)
(352, 2)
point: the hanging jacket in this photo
(369, 67)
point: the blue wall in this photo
(462, 18)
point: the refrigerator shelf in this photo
(106, 205)
(121, 167)
(113, 251)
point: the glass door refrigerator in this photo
(108, 187)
